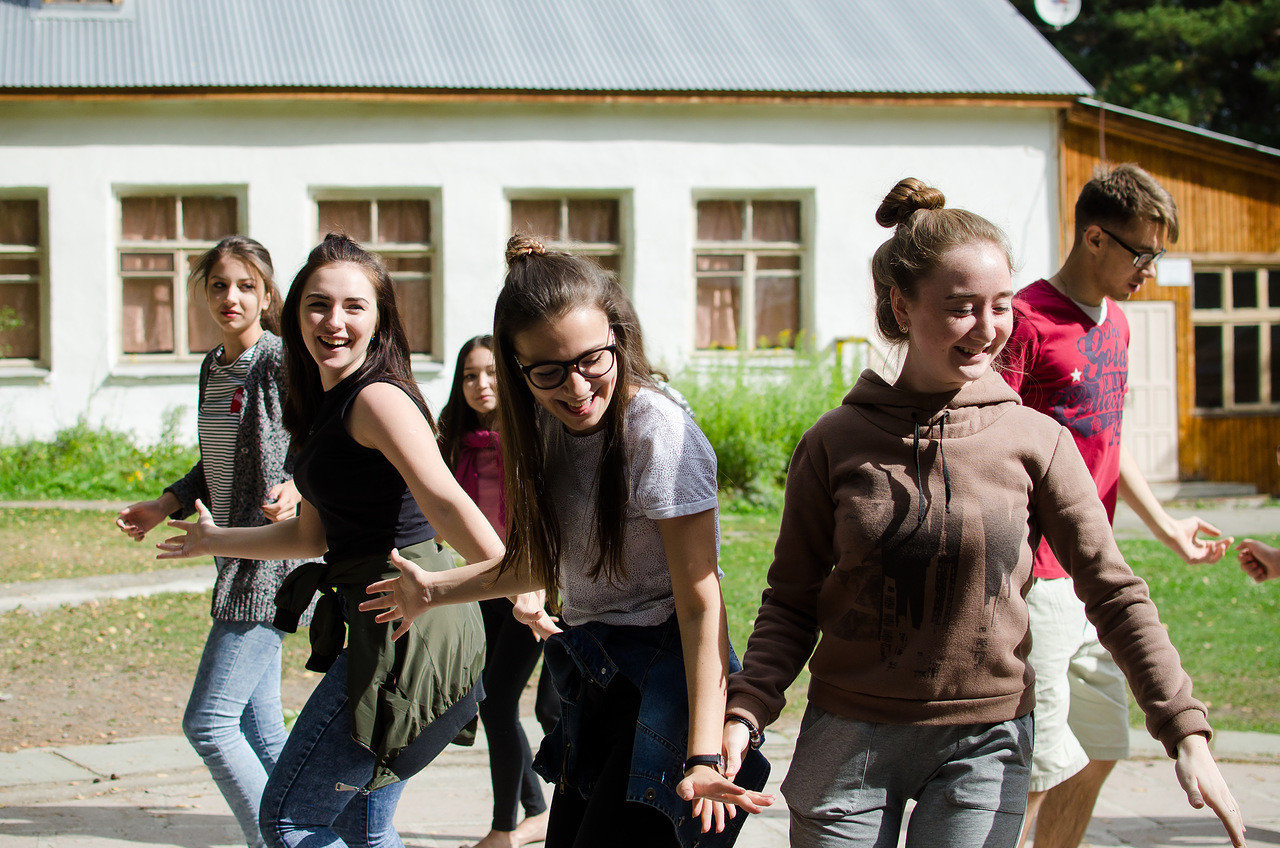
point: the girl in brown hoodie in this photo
(905, 552)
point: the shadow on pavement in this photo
(1188, 831)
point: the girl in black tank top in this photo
(373, 481)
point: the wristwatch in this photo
(716, 761)
(756, 738)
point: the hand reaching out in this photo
(404, 597)
(1259, 561)
(714, 795)
(137, 519)
(194, 540)
(1186, 542)
(1203, 783)
(282, 502)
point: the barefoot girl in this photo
(469, 443)
(910, 520)
(233, 718)
(373, 480)
(611, 493)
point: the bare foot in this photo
(532, 829)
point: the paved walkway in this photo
(155, 792)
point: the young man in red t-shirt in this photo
(1069, 358)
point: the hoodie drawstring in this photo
(946, 474)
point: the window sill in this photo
(22, 372)
(1237, 412)
(425, 368)
(165, 370)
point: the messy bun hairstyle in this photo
(923, 230)
(542, 285)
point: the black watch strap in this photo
(716, 761)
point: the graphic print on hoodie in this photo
(904, 557)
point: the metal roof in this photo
(1181, 127)
(945, 47)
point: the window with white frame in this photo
(21, 260)
(584, 226)
(747, 271)
(398, 230)
(161, 237)
(1236, 316)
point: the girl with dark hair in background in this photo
(373, 480)
(910, 520)
(611, 495)
(469, 443)
(233, 718)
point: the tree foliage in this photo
(1211, 63)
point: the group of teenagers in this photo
(945, 564)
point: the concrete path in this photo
(155, 792)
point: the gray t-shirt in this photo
(671, 472)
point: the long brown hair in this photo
(256, 258)
(457, 418)
(541, 286)
(388, 352)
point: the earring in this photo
(903, 327)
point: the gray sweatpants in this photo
(850, 780)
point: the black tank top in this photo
(364, 503)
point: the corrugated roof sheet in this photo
(757, 46)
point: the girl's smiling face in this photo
(235, 295)
(958, 320)
(479, 382)
(579, 402)
(338, 315)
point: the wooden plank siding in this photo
(1229, 205)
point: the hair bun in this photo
(520, 245)
(906, 198)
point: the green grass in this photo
(83, 462)
(754, 416)
(1225, 627)
(56, 544)
(126, 636)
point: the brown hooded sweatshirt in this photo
(905, 553)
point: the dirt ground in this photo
(42, 711)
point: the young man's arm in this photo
(1179, 534)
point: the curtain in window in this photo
(404, 222)
(148, 315)
(716, 321)
(208, 218)
(593, 221)
(353, 218)
(148, 218)
(720, 220)
(540, 218)
(777, 311)
(775, 220)
(24, 299)
(20, 222)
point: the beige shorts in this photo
(1082, 709)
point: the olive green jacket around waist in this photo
(395, 688)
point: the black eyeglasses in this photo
(552, 373)
(1141, 258)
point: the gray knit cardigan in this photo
(246, 589)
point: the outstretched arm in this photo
(690, 544)
(1181, 535)
(136, 520)
(295, 538)
(1203, 783)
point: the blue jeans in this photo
(312, 799)
(233, 718)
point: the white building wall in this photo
(840, 160)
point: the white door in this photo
(1150, 429)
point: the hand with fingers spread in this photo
(1203, 783)
(402, 598)
(1186, 542)
(714, 796)
(282, 502)
(195, 539)
(1259, 561)
(530, 610)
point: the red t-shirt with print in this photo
(1075, 371)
